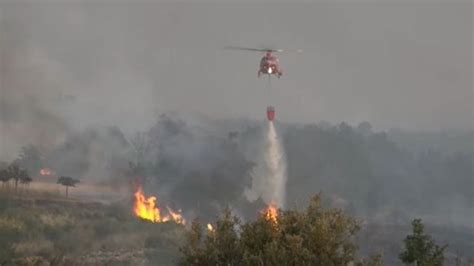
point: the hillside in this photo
(46, 229)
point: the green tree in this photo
(315, 236)
(67, 182)
(4, 176)
(192, 251)
(16, 173)
(30, 158)
(420, 248)
(25, 179)
(220, 246)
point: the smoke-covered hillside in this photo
(202, 166)
(372, 173)
(206, 165)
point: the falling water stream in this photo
(276, 162)
(269, 178)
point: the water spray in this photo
(276, 161)
(269, 178)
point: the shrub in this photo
(312, 237)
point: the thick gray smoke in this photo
(82, 85)
(202, 166)
(68, 72)
(65, 67)
(195, 167)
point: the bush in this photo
(312, 237)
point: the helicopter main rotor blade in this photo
(288, 50)
(262, 49)
(246, 49)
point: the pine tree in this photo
(420, 248)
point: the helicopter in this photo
(269, 64)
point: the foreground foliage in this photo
(312, 237)
(420, 248)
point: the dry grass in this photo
(11, 224)
(40, 226)
(83, 191)
(56, 220)
(37, 247)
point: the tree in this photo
(420, 249)
(16, 173)
(67, 182)
(25, 179)
(30, 158)
(4, 176)
(221, 246)
(312, 237)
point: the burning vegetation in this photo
(220, 175)
(210, 228)
(315, 236)
(46, 172)
(146, 208)
(271, 212)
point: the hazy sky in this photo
(405, 65)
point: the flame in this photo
(45, 172)
(270, 70)
(147, 209)
(210, 228)
(271, 212)
(175, 216)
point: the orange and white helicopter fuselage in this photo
(269, 65)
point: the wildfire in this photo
(147, 209)
(210, 228)
(271, 212)
(45, 172)
(174, 216)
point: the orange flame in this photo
(147, 209)
(271, 212)
(45, 172)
